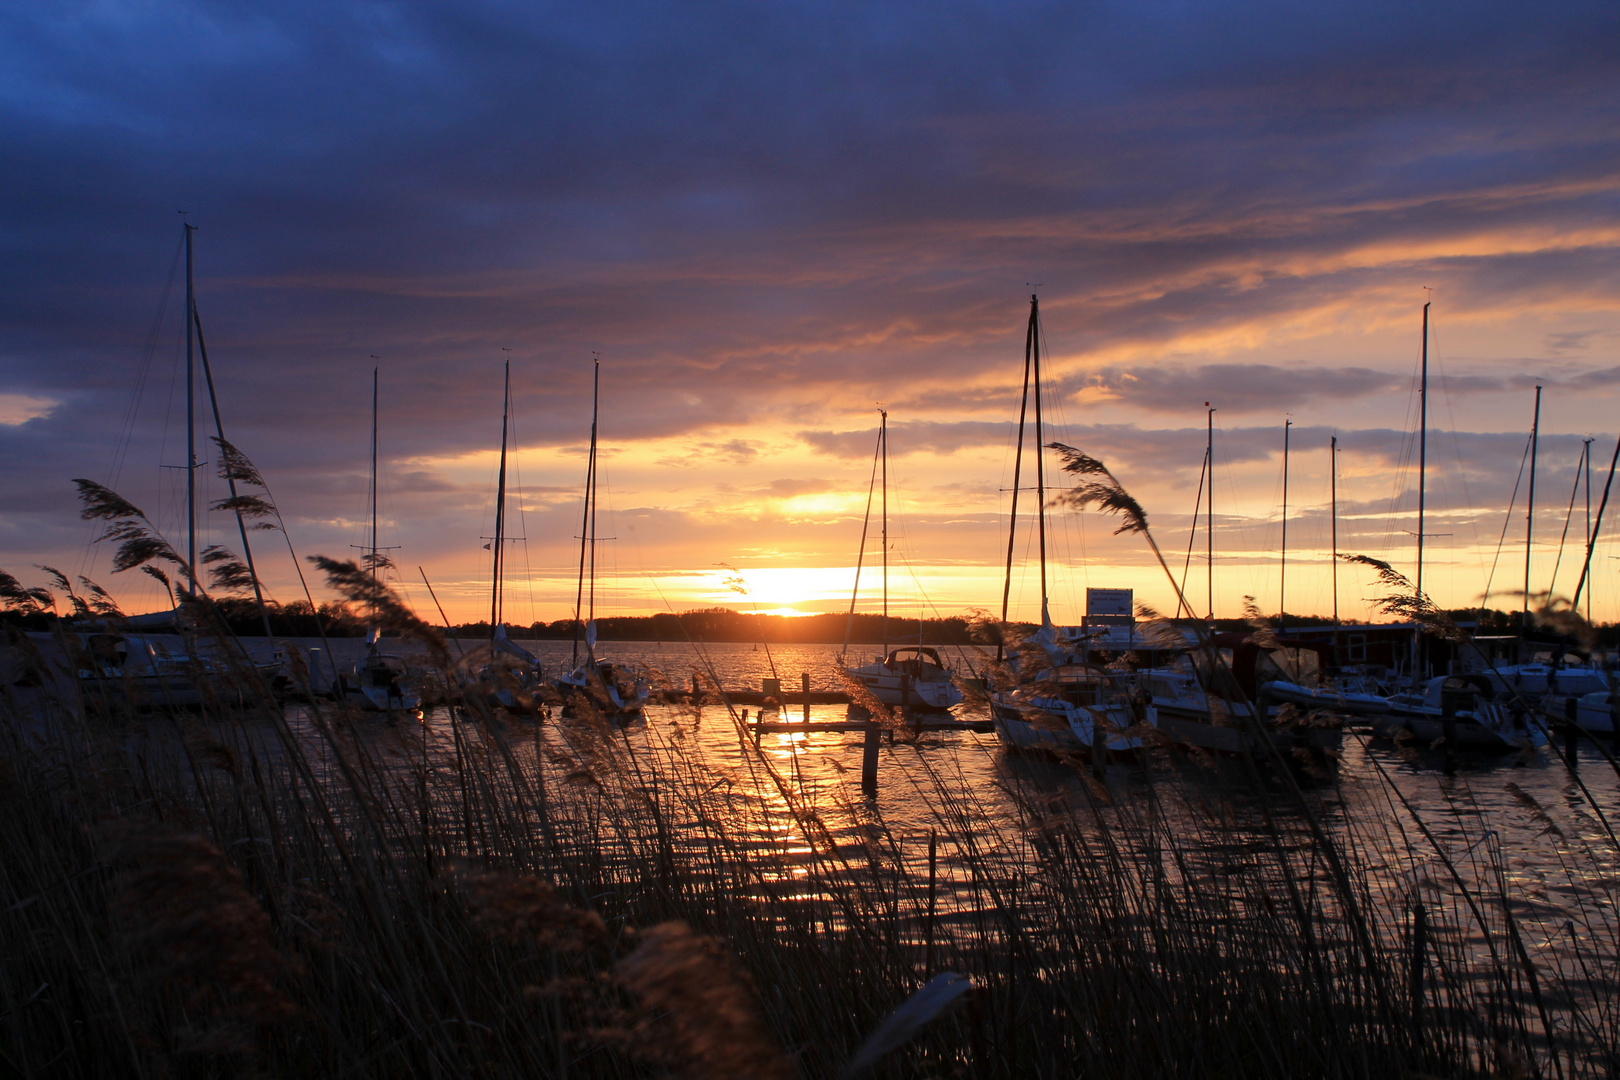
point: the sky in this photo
(767, 221)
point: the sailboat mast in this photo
(1588, 454)
(372, 493)
(1282, 579)
(230, 478)
(1333, 488)
(586, 532)
(1530, 514)
(1040, 455)
(191, 420)
(1209, 506)
(500, 511)
(1423, 447)
(1018, 468)
(1591, 537)
(883, 446)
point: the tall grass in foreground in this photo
(232, 892)
(242, 890)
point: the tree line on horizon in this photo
(722, 624)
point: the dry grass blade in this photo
(689, 978)
(1098, 489)
(522, 908)
(234, 465)
(17, 597)
(225, 571)
(937, 997)
(1261, 630)
(1404, 602)
(103, 503)
(359, 587)
(100, 601)
(1557, 614)
(202, 934)
(248, 506)
(138, 543)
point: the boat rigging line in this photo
(1530, 513)
(1583, 463)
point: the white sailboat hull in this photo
(932, 692)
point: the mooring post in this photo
(1448, 730)
(1572, 732)
(804, 681)
(697, 694)
(869, 759)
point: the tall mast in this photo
(883, 446)
(500, 511)
(1423, 447)
(191, 420)
(1040, 453)
(372, 494)
(1209, 506)
(1530, 514)
(1333, 487)
(1018, 468)
(587, 545)
(230, 479)
(1597, 523)
(1588, 454)
(1282, 578)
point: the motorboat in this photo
(1462, 710)
(381, 682)
(137, 671)
(604, 688)
(912, 677)
(1070, 706)
(1594, 712)
(1532, 682)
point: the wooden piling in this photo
(1572, 733)
(804, 682)
(869, 759)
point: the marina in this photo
(783, 542)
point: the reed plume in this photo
(1404, 602)
(708, 1007)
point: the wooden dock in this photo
(759, 697)
(941, 723)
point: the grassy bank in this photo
(238, 891)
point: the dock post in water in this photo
(869, 759)
(804, 681)
(1572, 732)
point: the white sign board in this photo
(1110, 602)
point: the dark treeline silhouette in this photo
(724, 624)
(338, 619)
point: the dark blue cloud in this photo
(778, 210)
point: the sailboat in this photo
(910, 676)
(597, 685)
(379, 682)
(1057, 699)
(512, 677)
(117, 667)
